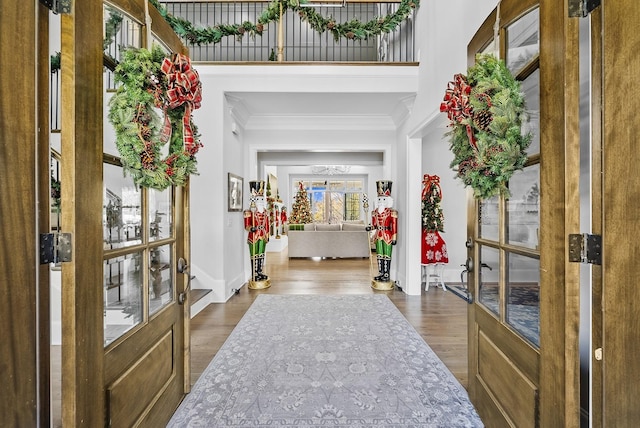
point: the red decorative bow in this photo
(429, 182)
(457, 106)
(183, 88)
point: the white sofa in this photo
(329, 240)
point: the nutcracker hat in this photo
(384, 188)
(256, 187)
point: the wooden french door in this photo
(124, 309)
(504, 247)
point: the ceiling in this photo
(264, 110)
(321, 111)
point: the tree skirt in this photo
(434, 249)
(311, 361)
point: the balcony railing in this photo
(301, 43)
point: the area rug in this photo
(316, 361)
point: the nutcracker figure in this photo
(384, 222)
(283, 219)
(256, 223)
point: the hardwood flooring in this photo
(439, 317)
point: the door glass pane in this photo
(121, 209)
(160, 224)
(523, 208)
(523, 296)
(531, 89)
(160, 277)
(122, 295)
(489, 275)
(488, 219)
(523, 41)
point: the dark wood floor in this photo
(439, 317)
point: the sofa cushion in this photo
(310, 226)
(327, 227)
(353, 226)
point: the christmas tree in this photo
(301, 207)
(432, 215)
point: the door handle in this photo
(183, 268)
(468, 265)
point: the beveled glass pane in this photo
(160, 278)
(488, 287)
(488, 218)
(122, 290)
(531, 89)
(121, 209)
(523, 41)
(523, 296)
(160, 220)
(523, 208)
(120, 33)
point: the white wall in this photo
(444, 30)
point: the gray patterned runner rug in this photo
(325, 361)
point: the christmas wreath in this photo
(486, 110)
(148, 81)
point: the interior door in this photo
(144, 308)
(504, 247)
(125, 312)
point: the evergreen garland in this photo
(138, 126)
(352, 30)
(486, 111)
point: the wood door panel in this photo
(124, 354)
(513, 346)
(510, 387)
(134, 392)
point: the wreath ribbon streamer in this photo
(457, 105)
(183, 88)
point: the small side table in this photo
(433, 273)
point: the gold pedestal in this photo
(259, 285)
(382, 285)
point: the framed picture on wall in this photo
(235, 192)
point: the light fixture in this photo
(323, 3)
(330, 169)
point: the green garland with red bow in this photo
(486, 110)
(150, 80)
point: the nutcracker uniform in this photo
(384, 221)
